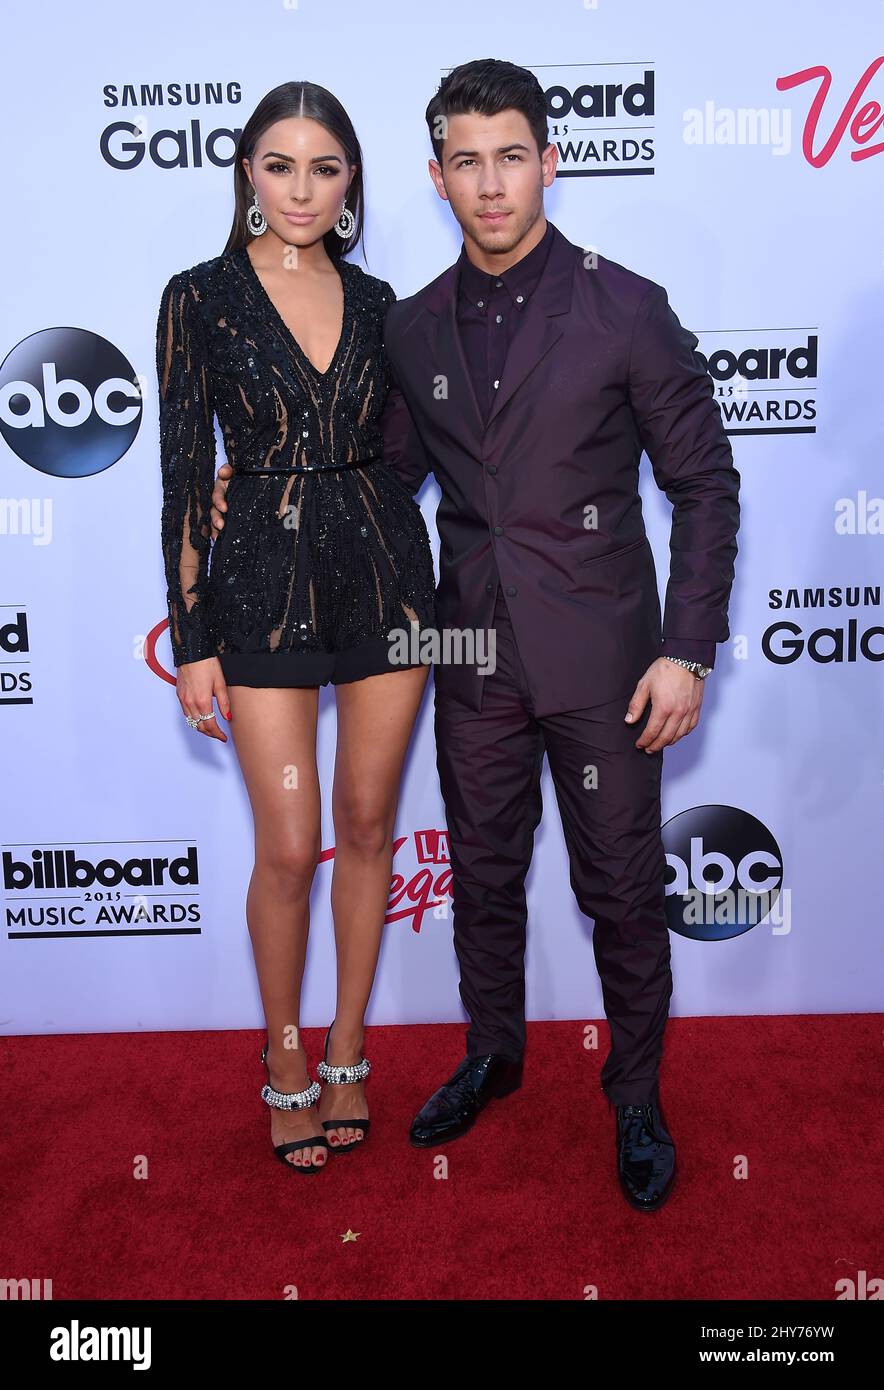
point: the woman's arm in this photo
(187, 460)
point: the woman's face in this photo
(301, 175)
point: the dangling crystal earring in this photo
(256, 219)
(345, 223)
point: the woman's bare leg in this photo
(375, 720)
(274, 733)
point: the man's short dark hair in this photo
(488, 85)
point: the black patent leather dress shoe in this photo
(452, 1110)
(645, 1155)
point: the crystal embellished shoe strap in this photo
(342, 1076)
(292, 1100)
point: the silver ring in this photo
(200, 717)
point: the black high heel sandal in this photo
(295, 1100)
(342, 1076)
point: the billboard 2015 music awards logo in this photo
(111, 888)
(16, 686)
(599, 115)
(101, 888)
(765, 379)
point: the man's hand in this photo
(219, 498)
(676, 697)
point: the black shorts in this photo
(291, 668)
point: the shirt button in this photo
(498, 530)
(498, 283)
(499, 318)
(489, 588)
(519, 298)
(480, 304)
(512, 590)
(496, 384)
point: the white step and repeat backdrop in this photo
(734, 153)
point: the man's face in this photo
(492, 175)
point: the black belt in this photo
(313, 468)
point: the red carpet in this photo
(530, 1208)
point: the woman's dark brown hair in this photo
(317, 104)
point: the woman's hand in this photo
(198, 682)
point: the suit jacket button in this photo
(498, 530)
(489, 588)
(511, 590)
(492, 468)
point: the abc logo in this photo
(723, 862)
(70, 404)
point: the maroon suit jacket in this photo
(600, 369)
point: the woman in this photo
(323, 554)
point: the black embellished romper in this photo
(324, 552)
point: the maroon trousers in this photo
(489, 770)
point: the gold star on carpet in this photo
(350, 1235)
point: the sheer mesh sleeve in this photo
(187, 460)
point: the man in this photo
(529, 377)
